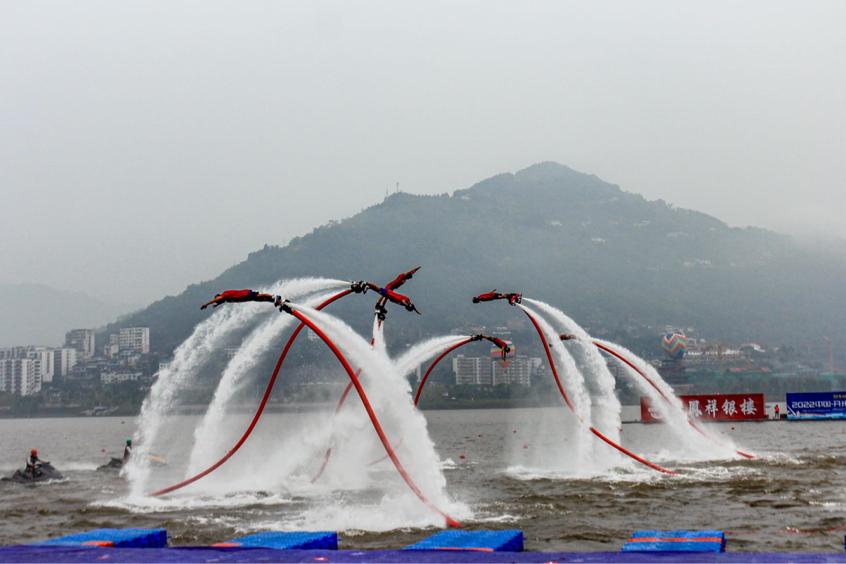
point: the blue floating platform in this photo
(286, 540)
(676, 541)
(79, 554)
(118, 538)
(510, 540)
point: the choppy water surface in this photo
(500, 463)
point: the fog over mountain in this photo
(610, 258)
(153, 143)
(35, 314)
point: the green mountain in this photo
(613, 260)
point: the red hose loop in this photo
(637, 369)
(434, 363)
(267, 390)
(593, 430)
(372, 415)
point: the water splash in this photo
(690, 443)
(188, 359)
(600, 382)
(209, 437)
(378, 338)
(578, 457)
(422, 352)
(391, 396)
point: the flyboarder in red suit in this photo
(512, 297)
(238, 296)
(504, 347)
(391, 296)
(395, 297)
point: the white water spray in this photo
(600, 382)
(208, 336)
(574, 384)
(672, 410)
(356, 443)
(422, 352)
(209, 434)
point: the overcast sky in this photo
(148, 145)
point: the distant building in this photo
(112, 348)
(82, 340)
(44, 359)
(476, 371)
(20, 376)
(41, 357)
(518, 370)
(119, 377)
(471, 370)
(64, 360)
(135, 339)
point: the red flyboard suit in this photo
(239, 296)
(401, 279)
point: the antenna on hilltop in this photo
(397, 190)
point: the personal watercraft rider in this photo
(239, 296)
(512, 297)
(127, 451)
(33, 463)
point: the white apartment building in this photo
(135, 339)
(517, 370)
(119, 377)
(471, 370)
(42, 358)
(20, 376)
(64, 360)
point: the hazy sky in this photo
(148, 145)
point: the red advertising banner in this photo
(712, 407)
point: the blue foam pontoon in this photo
(118, 538)
(286, 540)
(479, 541)
(676, 541)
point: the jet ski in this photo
(112, 464)
(42, 473)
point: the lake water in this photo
(792, 498)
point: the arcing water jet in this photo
(291, 309)
(669, 398)
(516, 299)
(354, 287)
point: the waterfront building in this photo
(42, 358)
(83, 341)
(471, 370)
(20, 376)
(107, 378)
(135, 339)
(64, 359)
(517, 370)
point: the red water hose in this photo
(637, 369)
(593, 430)
(267, 390)
(372, 415)
(432, 366)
